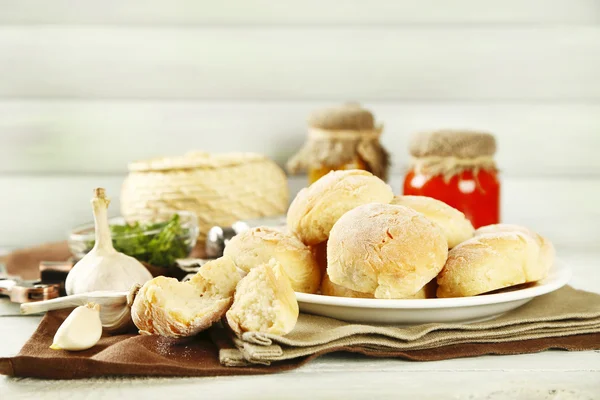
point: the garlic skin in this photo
(104, 268)
(80, 331)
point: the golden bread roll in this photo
(167, 307)
(329, 288)
(317, 207)
(456, 227)
(386, 250)
(547, 252)
(489, 262)
(264, 302)
(259, 245)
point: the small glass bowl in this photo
(82, 237)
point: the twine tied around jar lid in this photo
(451, 152)
(337, 136)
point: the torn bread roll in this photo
(329, 288)
(259, 245)
(547, 251)
(317, 208)
(489, 262)
(386, 250)
(264, 302)
(167, 307)
(456, 227)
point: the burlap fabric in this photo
(450, 152)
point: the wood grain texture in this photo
(100, 137)
(34, 209)
(296, 12)
(372, 63)
(340, 384)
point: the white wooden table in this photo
(548, 375)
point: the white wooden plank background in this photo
(89, 86)
(103, 136)
(373, 63)
(331, 12)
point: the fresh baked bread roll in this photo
(259, 245)
(386, 250)
(167, 307)
(264, 302)
(317, 207)
(489, 262)
(547, 251)
(329, 288)
(456, 227)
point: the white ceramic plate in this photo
(423, 311)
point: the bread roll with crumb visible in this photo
(386, 250)
(164, 306)
(259, 245)
(547, 251)
(316, 208)
(264, 302)
(456, 227)
(489, 262)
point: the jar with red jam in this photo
(458, 168)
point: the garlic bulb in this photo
(80, 331)
(104, 268)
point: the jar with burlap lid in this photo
(342, 137)
(458, 168)
(219, 188)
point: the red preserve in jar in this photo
(458, 168)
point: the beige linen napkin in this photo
(566, 312)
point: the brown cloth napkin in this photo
(565, 312)
(126, 354)
(567, 319)
(25, 263)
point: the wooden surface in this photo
(548, 375)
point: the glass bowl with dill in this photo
(158, 240)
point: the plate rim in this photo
(559, 276)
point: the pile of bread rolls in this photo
(378, 245)
(348, 236)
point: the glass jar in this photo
(457, 168)
(341, 138)
(317, 171)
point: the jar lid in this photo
(349, 116)
(452, 143)
(201, 160)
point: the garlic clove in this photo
(81, 330)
